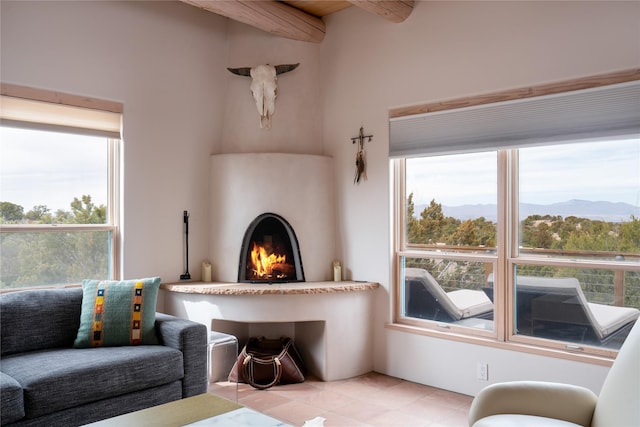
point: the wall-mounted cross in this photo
(361, 171)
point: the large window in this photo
(59, 191)
(576, 264)
(534, 241)
(451, 213)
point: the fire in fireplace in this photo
(270, 252)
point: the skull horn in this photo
(285, 68)
(243, 71)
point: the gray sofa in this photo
(45, 381)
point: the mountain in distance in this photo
(603, 211)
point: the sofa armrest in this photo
(543, 399)
(191, 339)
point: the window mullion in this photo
(511, 225)
(114, 206)
(502, 308)
(399, 204)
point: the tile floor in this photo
(369, 400)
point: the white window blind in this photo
(21, 112)
(605, 111)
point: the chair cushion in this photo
(511, 420)
(469, 302)
(610, 318)
(11, 400)
(58, 379)
(118, 313)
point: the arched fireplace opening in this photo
(270, 252)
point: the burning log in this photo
(282, 271)
(265, 266)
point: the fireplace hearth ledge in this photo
(323, 318)
(306, 288)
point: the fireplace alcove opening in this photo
(270, 252)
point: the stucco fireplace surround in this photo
(297, 187)
(329, 321)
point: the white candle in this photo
(206, 271)
(337, 271)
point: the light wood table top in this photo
(176, 413)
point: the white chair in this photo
(553, 305)
(425, 299)
(534, 403)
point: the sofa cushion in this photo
(118, 313)
(11, 401)
(108, 408)
(63, 378)
(39, 319)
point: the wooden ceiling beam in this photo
(392, 10)
(271, 16)
(319, 8)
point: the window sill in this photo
(512, 346)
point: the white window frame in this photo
(40, 109)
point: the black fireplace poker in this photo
(185, 219)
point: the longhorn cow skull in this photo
(264, 87)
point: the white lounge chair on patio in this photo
(557, 305)
(425, 299)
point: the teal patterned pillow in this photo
(117, 313)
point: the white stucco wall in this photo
(296, 126)
(166, 62)
(447, 50)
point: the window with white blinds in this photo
(517, 216)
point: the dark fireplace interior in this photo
(270, 252)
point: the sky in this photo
(595, 171)
(49, 168)
(52, 168)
